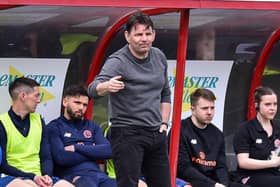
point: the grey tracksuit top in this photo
(146, 87)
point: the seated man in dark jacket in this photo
(202, 160)
(77, 143)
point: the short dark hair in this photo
(75, 90)
(202, 93)
(22, 84)
(139, 18)
(261, 91)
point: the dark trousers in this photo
(87, 181)
(204, 184)
(264, 180)
(137, 151)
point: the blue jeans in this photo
(137, 151)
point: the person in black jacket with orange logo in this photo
(202, 160)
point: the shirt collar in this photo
(76, 123)
(15, 116)
(259, 126)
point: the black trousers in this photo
(264, 180)
(203, 184)
(137, 151)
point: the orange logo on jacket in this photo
(201, 160)
(202, 155)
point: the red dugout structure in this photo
(253, 59)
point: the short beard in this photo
(72, 114)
